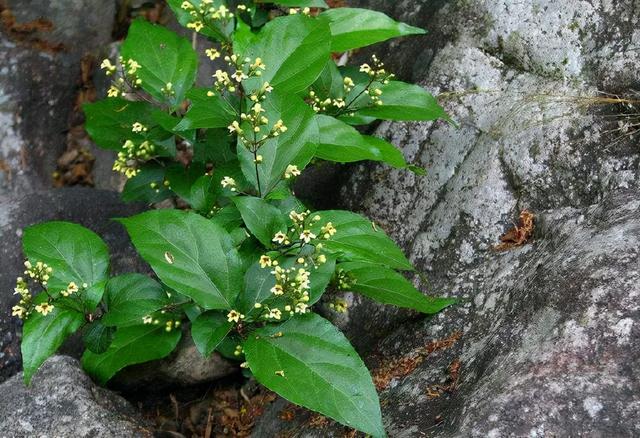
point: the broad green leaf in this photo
(207, 111)
(228, 217)
(296, 146)
(43, 335)
(190, 254)
(313, 365)
(97, 337)
(131, 297)
(218, 147)
(261, 218)
(130, 345)
(76, 254)
(330, 83)
(344, 144)
(208, 330)
(352, 28)
(147, 186)
(389, 287)
(402, 101)
(109, 121)
(294, 49)
(164, 58)
(358, 239)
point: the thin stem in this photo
(255, 163)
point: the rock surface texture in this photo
(63, 402)
(549, 331)
(40, 79)
(91, 208)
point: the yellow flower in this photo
(265, 261)
(212, 53)
(328, 230)
(18, 311)
(279, 237)
(44, 308)
(277, 290)
(291, 171)
(234, 316)
(138, 127)
(227, 181)
(275, 314)
(306, 236)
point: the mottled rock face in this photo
(549, 330)
(63, 401)
(91, 208)
(39, 81)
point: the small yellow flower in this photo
(18, 311)
(227, 181)
(306, 236)
(212, 53)
(147, 320)
(234, 316)
(113, 91)
(44, 308)
(138, 127)
(275, 314)
(291, 171)
(195, 25)
(265, 261)
(279, 237)
(235, 127)
(277, 290)
(328, 230)
(301, 308)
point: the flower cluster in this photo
(205, 12)
(40, 272)
(128, 75)
(304, 11)
(343, 280)
(339, 305)
(243, 69)
(301, 231)
(169, 324)
(377, 74)
(323, 105)
(131, 156)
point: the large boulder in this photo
(63, 402)
(91, 208)
(42, 45)
(546, 330)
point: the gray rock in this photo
(63, 402)
(548, 345)
(88, 207)
(39, 82)
(184, 367)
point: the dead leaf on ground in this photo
(27, 33)
(520, 234)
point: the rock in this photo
(88, 207)
(184, 367)
(547, 328)
(43, 44)
(63, 402)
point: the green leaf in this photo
(216, 147)
(165, 58)
(296, 146)
(389, 287)
(43, 335)
(294, 49)
(139, 187)
(131, 297)
(206, 111)
(352, 28)
(405, 102)
(109, 121)
(97, 337)
(357, 239)
(313, 365)
(190, 254)
(130, 345)
(208, 330)
(75, 253)
(261, 218)
(344, 144)
(330, 82)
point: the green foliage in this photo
(242, 262)
(309, 362)
(352, 28)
